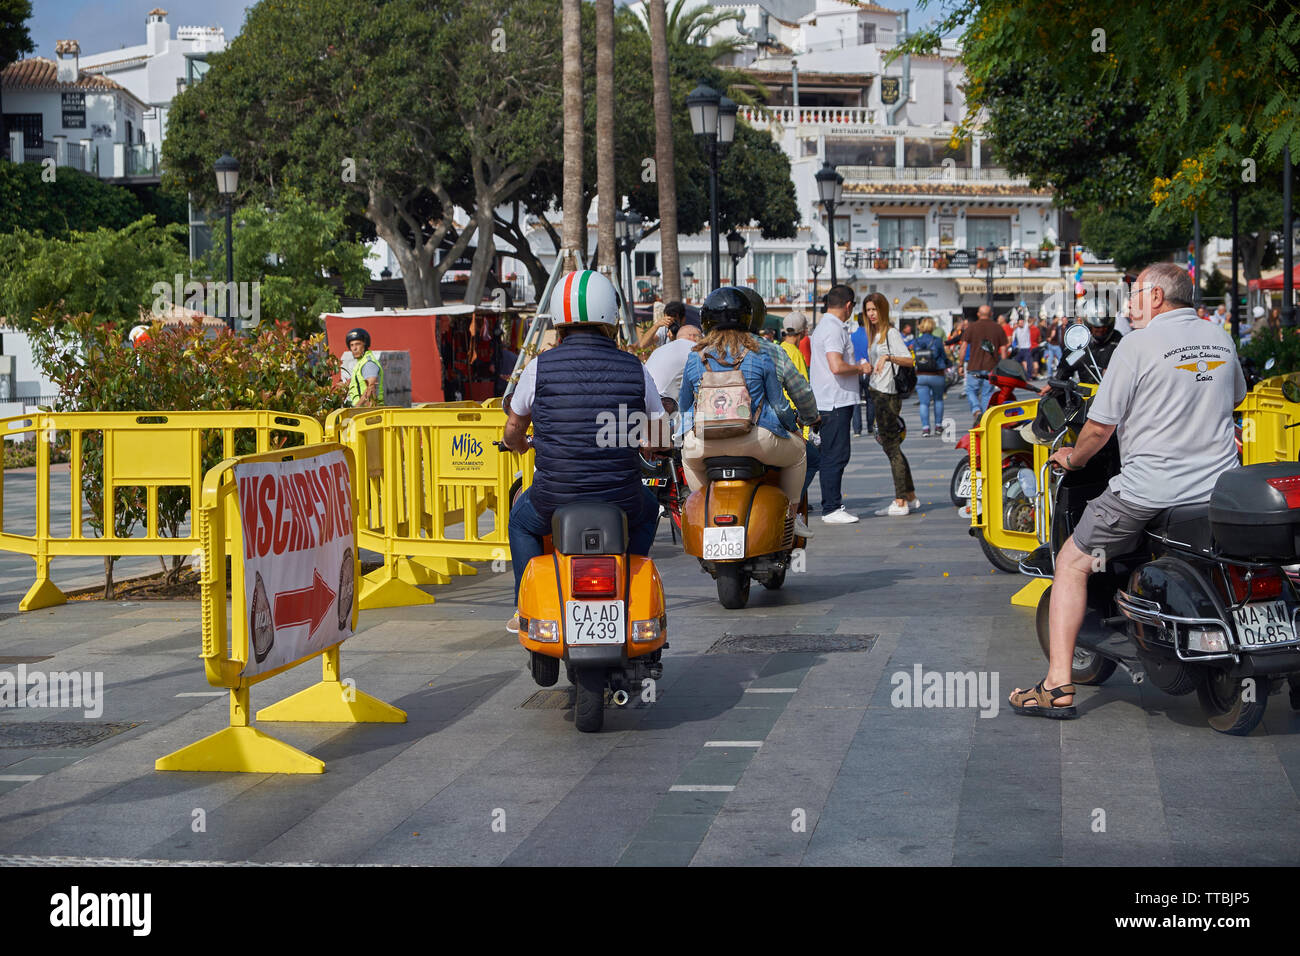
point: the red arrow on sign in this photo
(304, 606)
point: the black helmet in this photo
(760, 309)
(361, 334)
(726, 308)
(1097, 316)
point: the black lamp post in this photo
(736, 248)
(627, 233)
(816, 263)
(713, 120)
(830, 190)
(1000, 263)
(654, 278)
(227, 169)
(689, 276)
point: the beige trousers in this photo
(788, 453)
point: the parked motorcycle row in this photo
(1209, 607)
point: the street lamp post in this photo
(830, 190)
(816, 262)
(989, 265)
(736, 249)
(628, 230)
(713, 120)
(689, 276)
(227, 170)
(654, 278)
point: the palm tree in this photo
(573, 218)
(665, 174)
(606, 191)
(692, 27)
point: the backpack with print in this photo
(723, 405)
(929, 355)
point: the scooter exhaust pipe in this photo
(619, 697)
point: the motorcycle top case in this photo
(1255, 512)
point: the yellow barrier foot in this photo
(381, 589)
(417, 572)
(447, 566)
(241, 750)
(1029, 595)
(42, 594)
(333, 702)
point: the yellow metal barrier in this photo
(226, 644)
(429, 475)
(988, 502)
(132, 451)
(1270, 425)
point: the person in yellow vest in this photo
(366, 386)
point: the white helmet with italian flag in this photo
(584, 297)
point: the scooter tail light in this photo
(1262, 584)
(724, 519)
(1290, 488)
(595, 577)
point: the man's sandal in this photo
(1044, 702)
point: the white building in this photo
(55, 110)
(158, 69)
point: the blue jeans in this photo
(814, 458)
(928, 386)
(858, 417)
(527, 529)
(1053, 359)
(978, 393)
(835, 453)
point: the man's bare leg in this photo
(1069, 602)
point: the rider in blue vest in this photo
(571, 394)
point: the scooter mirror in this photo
(1074, 357)
(1269, 364)
(1052, 411)
(1077, 337)
(1291, 391)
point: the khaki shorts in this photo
(1112, 526)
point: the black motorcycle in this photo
(1204, 605)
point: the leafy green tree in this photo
(107, 272)
(292, 251)
(1175, 108)
(15, 40)
(73, 201)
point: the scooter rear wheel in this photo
(1089, 667)
(589, 699)
(1223, 700)
(733, 586)
(545, 670)
(960, 479)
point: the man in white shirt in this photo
(1171, 370)
(1023, 343)
(833, 371)
(667, 363)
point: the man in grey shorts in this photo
(1170, 389)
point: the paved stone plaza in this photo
(773, 739)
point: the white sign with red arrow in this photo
(299, 564)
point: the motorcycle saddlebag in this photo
(1255, 512)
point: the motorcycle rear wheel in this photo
(733, 586)
(589, 699)
(1089, 667)
(960, 474)
(1223, 700)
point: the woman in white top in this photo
(887, 352)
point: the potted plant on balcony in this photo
(751, 280)
(882, 260)
(941, 261)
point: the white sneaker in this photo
(512, 625)
(894, 510)
(915, 504)
(840, 516)
(801, 529)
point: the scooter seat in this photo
(733, 468)
(589, 527)
(1187, 525)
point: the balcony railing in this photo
(75, 155)
(930, 259)
(808, 116)
(142, 161)
(912, 174)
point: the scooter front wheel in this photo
(1002, 559)
(1224, 700)
(733, 586)
(1088, 667)
(589, 699)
